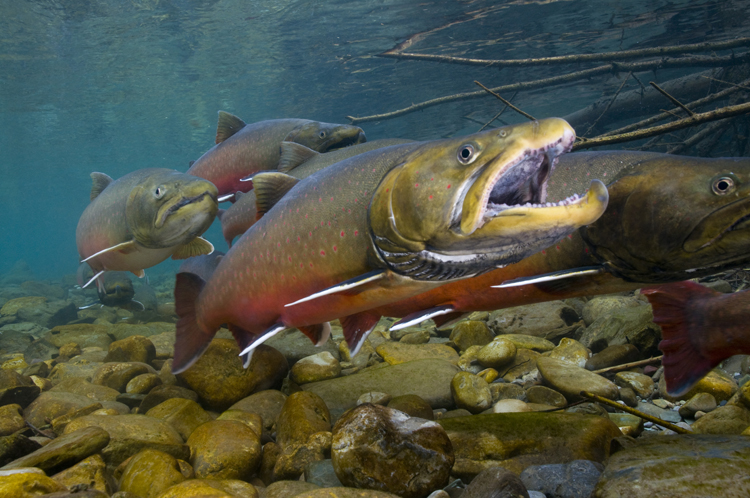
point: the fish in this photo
(117, 289)
(669, 218)
(243, 149)
(298, 161)
(203, 265)
(700, 328)
(378, 227)
(143, 218)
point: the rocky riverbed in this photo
(489, 407)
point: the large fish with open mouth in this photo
(298, 161)
(244, 149)
(377, 228)
(669, 218)
(143, 218)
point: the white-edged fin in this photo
(248, 357)
(421, 316)
(325, 335)
(343, 286)
(92, 279)
(549, 277)
(90, 306)
(126, 247)
(225, 197)
(143, 307)
(267, 334)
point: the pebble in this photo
(471, 392)
(576, 479)
(470, 333)
(496, 482)
(375, 447)
(224, 449)
(321, 366)
(643, 385)
(150, 472)
(497, 354)
(570, 380)
(571, 351)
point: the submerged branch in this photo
(671, 99)
(506, 102)
(705, 117)
(614, 97)
(637, 413)
(570, 59)
(697, 61)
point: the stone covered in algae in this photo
(686, 466)
(517, 440)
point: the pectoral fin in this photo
(294, 154)
(357, 327)
(228, 125)
(423, 315)
(555, 275)
(139, 273)
(124, 248)
(344, 286)
(197, 247)
(100, 182)
(269, 187)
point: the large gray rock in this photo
(551, 320)
(627, 326)
(576, 479)
(607, 305)
(688, 466)
(295, 345)
(429, 378)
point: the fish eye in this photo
(466, 154)
(723, 185)
(322, 134)
(159, 192)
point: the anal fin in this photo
(357, 327)
(196, 247)
(248, 342)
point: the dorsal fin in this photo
(195, 247)
(100, 182)
(229, 124)
(294, 154)
(269, 188)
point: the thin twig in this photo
(498, 114)
(701, 135)
(671, 99)
(609, 104)
(637, 413)
(738, 85)
(625, 366)
(724, 112)
(693, 105)
(697, 61)
(519, 111)
(575, 58)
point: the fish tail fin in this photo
(191, 340)
(674, 311)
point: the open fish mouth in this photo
(709, 232)
(182, 202)
(520, 185)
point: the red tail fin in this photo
(684, 364)
(191, 340)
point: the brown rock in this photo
(412, 405)
(142, 384)
(545, 396)
(470, 333)
(378, 448)
(517, 440)
(321, 366)
(11, 419)
(571, 380)
(184, 415)
(160, 394)
(83, 387)
(53, 404)
(251, 420)
(728, 419)
(471, 392)
(395, 353)
(150, 472)
(211, 488)
(83, 334)
(285, 489)
(27, 484)
(68, 351)
(266, 403)
(117, 375)
(134, 348)
(496, 482)
(224, 449)
(90, 471)
(220, 379)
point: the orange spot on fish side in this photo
(557, 247)
(449, 185)
(416, 185)
(322, 253)
(544, 252)
(430, 197)
(342, 233)
(356, 232)
(289, 258)
(335, 248)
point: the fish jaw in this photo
(322, 137)
(169, 211)
(435, 218)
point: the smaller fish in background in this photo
(244, 149)
(142, 219)
(203, 266)
(700, 328)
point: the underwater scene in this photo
(376, 248)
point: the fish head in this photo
(675, 218)
(117, 288)
(458, 207)
(322, 137)
(169, 208)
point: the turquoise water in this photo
(115, 86)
